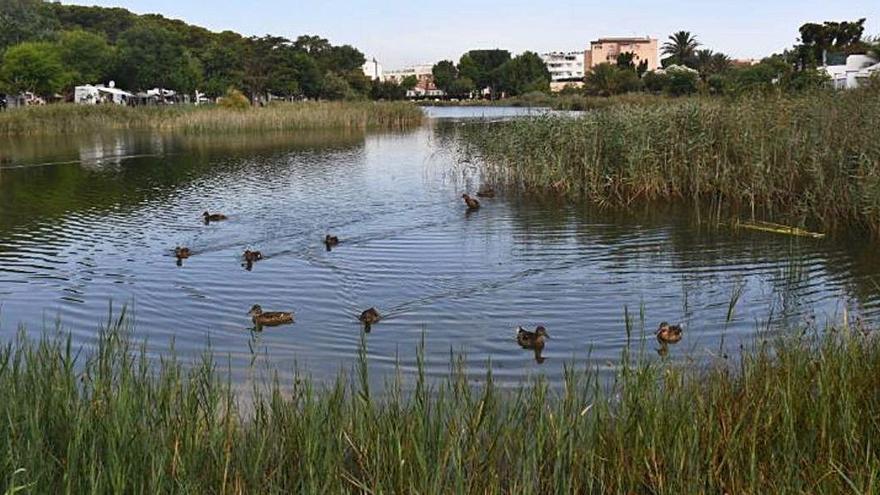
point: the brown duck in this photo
(269, 319)
(472, 203)
(181, 253)
(252, 256)
(368, 317)
(532, 340)
(668, 334)
(213, 217)
(331, 241)
(486, 192)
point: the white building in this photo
(373, 69)
(93, 95)
(857, 70)
(564, 66)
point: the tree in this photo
(223, 63)
(386, 90)
(445, 73)
(484, 67)
(818, 39)
(24, 20)
(33, 66)
(681, 82)
(335, 87)
(626, 60)
(608, 79)
(523, 74)
(461, 88)
(87, 56)
(409, 82)
(152, 56)
(680, 49)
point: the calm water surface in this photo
(89, 220)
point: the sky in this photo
(399, 33)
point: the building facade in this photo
(857, 71)
(425, 87)
(373, 69)
(606, 50)
(565, 66)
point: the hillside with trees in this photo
(48, 48)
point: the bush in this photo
(234, 99)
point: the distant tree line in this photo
(49, 48)
(492, 71)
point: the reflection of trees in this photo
(50, 177)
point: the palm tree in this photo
(681, 47)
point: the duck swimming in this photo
(213, 217)
(368, 317)
(331, 241)
(532, 340)
(252, 256)
(181, 253)
(668, 334)
(472, 203)
(269, 319)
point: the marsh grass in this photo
(808, 159)
(70, 119)
(797, 415)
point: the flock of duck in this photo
(534, 340)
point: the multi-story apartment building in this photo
(606, 50)
(564, 66)
(373, 69)
(425, 86)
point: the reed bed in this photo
(796, 415)
(69, 119)
(812, 160)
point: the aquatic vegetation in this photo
(69, 119)
(809, 160)
(795, 415)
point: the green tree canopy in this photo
(483, 67)
(608, 79)
(445, 73)
(523, 74)
(34, 66)
(152, 56)
(680, 49)
(24, 20)
(87, 56)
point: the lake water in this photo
(89, 220)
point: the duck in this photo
(182, 253)
(532, 340)
(330, 241)
(668, 334)
(472, 203)
(269, 319)
(213, 217)
(486, 192)
(368, 317)
(252, 256)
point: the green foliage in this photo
(234, 99)
(524, 73)
(817, 39)
(680, 49)
(445, 73)
(24, 20)
(462, 87)
(681, 82)
(335, 87)
(409, 82)
(87, 56)
(483, 67)
(796, 414)
(152, 56)
(607, 79)
(801, 158)
(34, 66)
(386, 90)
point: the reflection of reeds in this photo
(797, 415)
(808, 160)
(65, 119)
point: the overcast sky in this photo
(399, 33)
